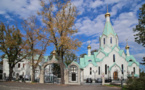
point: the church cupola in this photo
(53, 53)
(108, 37)
(89, 50)
(127, 50)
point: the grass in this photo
(124, 87)
(112, 85)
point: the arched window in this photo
(134, 70)
(18, 65)
(99, 70)
(113, 57)
(90, 71)
(130, 60)
(111, 40)
(105, 68)
(122, 69)
(104, 40)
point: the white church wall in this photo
(116, 49)
(100, 55)
(102, 40)
(109, 62)
(123, 54)
(107, 49)
(87, 71)
(130, 68)
(113, 40)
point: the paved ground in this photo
(37, 86)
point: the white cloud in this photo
(97, 3)
(22, 8)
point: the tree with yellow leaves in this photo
(59, 18)
(13, 46)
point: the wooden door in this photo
(115, 75)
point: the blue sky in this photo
(90, 21)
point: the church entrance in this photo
(115, 75)
(73, 77)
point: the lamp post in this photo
(108, 72)
(95, 71)
(122, 78)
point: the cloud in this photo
(21, 8)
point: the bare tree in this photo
(36, 42)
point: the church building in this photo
(109, 60)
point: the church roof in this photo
(87, 60)
(131, 57)
(108, 29)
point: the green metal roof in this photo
(85, 61)
(108, 29)
(131, 57)
(114, 65)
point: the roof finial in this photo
(127, 47)
(107, 14)
(126, 41)
(89, 47)
(107, 8)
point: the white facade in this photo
(24, 69)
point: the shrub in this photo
(136, 83)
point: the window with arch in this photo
(105, 68)
(113, 57)
(111, 40)
(90, 71)
(99, 70)
(130, 60)
(18, 65)
(122, 69)
(104, 40)
(134, 70)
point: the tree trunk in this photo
(62, 69)
(10, 72)
(33, 74)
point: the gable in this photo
(100, 55)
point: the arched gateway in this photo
(52, 61)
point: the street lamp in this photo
(122, 78)
(94, 73)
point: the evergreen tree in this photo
(140, 29)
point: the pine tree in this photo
(140, 29)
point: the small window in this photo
(134, 70)
(99, 70)
(111, 40)
(18, 65)
(90, 71)
(105, 68)
(113, 57)
(104, 40)
(122, 69)
(23, 65)
(90, 60)
(130, 60)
